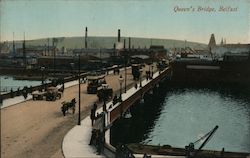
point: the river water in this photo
(180, 115)
(8, 82)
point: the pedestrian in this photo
(25, 94)
(11, 93)
(30, 89)
(92, 116)
(18, 91)
(99, 143)
(93, 137)
(135, 85)
(95, 107)
(115, 99)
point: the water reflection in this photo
(180, 115)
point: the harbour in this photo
(178, 112)
(111, 79)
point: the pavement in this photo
(19, 99)
(75, 142)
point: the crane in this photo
(190, 153)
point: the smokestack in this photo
(24, 51)
(86, 36)
(119, 35)
(14, 49)
(129, 43)
(124, 43)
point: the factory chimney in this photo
(24, 51)
(86, 36)
(124, 43)
(119, 35)
(129, 43)
(14, 49)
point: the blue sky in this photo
(141, 18)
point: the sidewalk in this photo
(76, 141)
(20, 99)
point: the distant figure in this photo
(147, 75)
(93, 138)
(136, 86)
(18, 91)
(92, 116)
(25, 93)
(115, 100)
(11, 93)
(95, 107)
(30, 89)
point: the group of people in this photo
(97, 136)
(149, 75)
(25, 91)
(97, 139)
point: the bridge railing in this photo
(133, 95)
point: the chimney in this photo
(129, 43)
(86, 36)
(119, 35)
(24, 51)
(124, 43)
(14, 49)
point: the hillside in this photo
(108, 42)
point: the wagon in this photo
(36, 95)
(104, 92)
(52, 94)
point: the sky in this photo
(165, 19)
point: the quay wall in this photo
(205, 72)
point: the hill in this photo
(108, 42)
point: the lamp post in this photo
(79, 92)
(42, 69)
(141, 77)
(104, 88)
(152, 71)
(72, 68)
(120, 81)
(125, 88)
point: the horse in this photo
(68, 105)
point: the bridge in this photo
(135, 94)
(129, 99)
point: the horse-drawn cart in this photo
(53, 93)
(68, 105)
(36, 95)
(104, 92)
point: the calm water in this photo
(178, 116)
(8, 82)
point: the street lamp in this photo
(42, 69)
(152, 71)
(141, 77)
(72, 68)
(79, 91)
(104, 90)
(120, 81)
